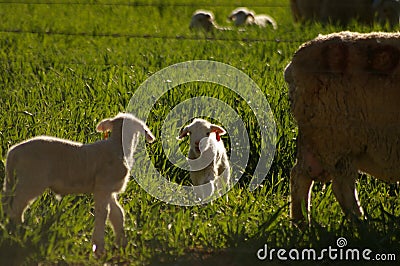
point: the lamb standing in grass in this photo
(242, 16)
(207, 156)
(344, 93)
(67, 167)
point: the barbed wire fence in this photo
(193, 37)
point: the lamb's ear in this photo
(184, 133)
(149, 136)
(105, 125)
(217, 129)
(252, 16)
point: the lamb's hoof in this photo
(98, 252)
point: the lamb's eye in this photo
(208, 133)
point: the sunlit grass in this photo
(64, 67)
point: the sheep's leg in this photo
(102, 202)
(300, 189)
(117, 221)
(344, 189)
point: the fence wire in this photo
(156, 4)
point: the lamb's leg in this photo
(344, 189)
(102, 202)
(23, 196)
(117, 221)
(300, 191)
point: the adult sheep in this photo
(305, 10)
(67, 167)
(387, 11)
(343, 11)
(344, 95)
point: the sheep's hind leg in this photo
(102, 202)
(300, 191)
(117, 221)
(23, 196)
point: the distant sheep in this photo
(207, 156)
(387, 11)
(344, 93)
(68, 167)
(204, 20)
(242, 16)
(343, 11)
(305, 9)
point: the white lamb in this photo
(242, 16)
(204, 20)
(207, 157)
(67, 167)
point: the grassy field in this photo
(65, 66)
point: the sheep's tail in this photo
(9, 182)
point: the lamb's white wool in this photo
(207, 157)
(243, 16)
(68, 167)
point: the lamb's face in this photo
(202, 20)
(239, 17)
(198, 130)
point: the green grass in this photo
(66, 66)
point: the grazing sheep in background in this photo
(344, 94)
(67, 167)
(387, 11)
(343, 11)
(242, 16)
(207, 156)
(305, 9)
(204, 20)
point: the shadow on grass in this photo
(380, 236)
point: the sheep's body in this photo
(387, 11)
(207, 156)
(305, 9)
(343, 11)
(242, 16)
(203, 20)
(344, 95)
(68, 167)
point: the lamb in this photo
(343, 11)
(207, 156)
(204, 20)
(67, 167)
(344, 93)
(243, 16)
